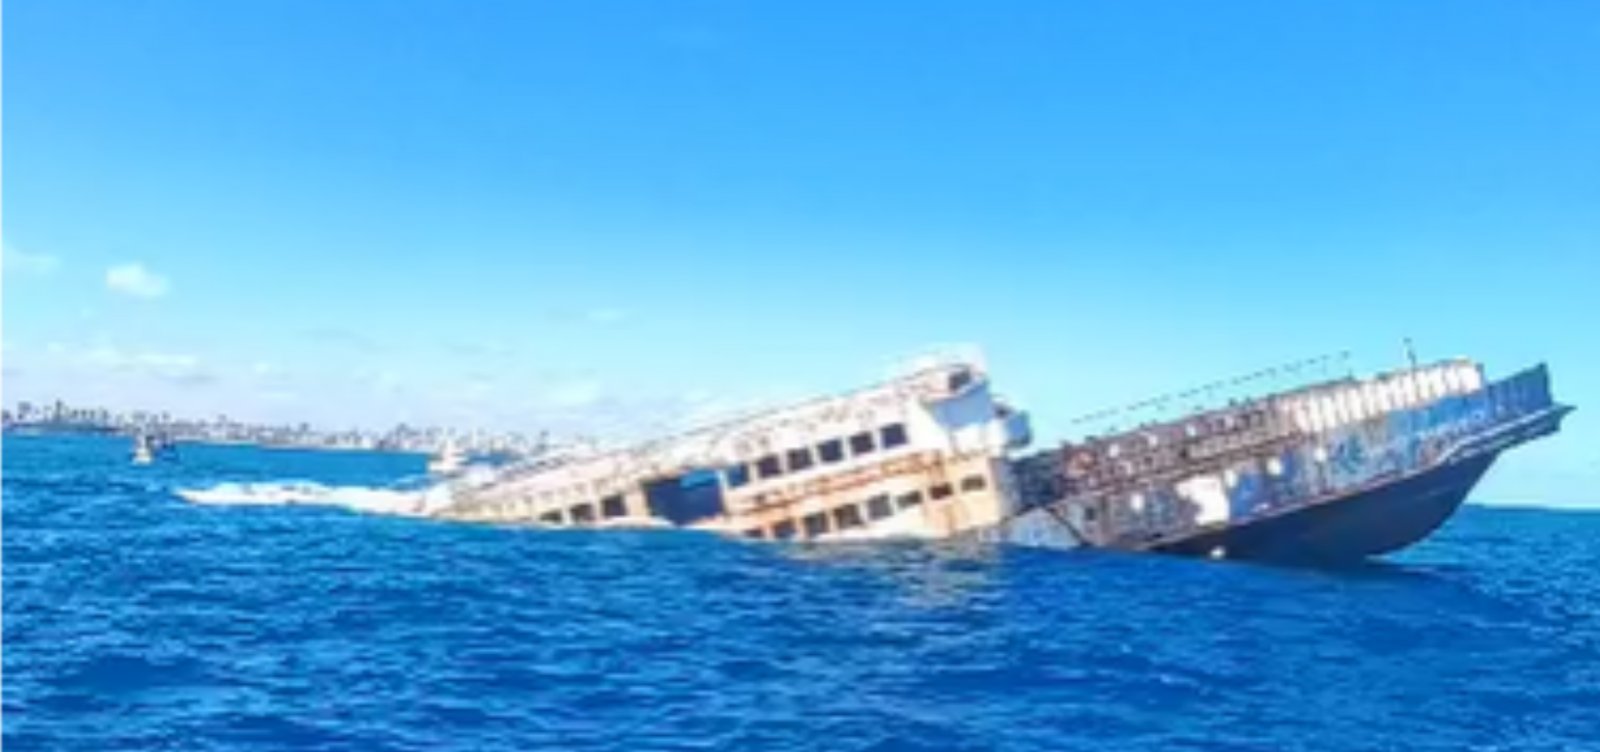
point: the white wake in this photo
(373, 500)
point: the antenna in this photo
(1411, 354)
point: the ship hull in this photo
(1348, 528)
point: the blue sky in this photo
(608, 214)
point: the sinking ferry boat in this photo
(1337, 470)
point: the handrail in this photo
(1163, 400)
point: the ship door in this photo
(685, 499)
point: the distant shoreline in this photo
(204, 441)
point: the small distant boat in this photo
(449, 461)
(142, 454)
(147, 448)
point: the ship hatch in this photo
(685, 499)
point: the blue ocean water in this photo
(136, 620)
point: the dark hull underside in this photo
(1365, 523)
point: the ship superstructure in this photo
(920, 455)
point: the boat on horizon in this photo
(1335, 470)
(147, 448)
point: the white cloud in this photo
(134, 279)
(21, 262)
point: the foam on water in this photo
(373, 500)
(406, 497)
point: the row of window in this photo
(849, 516)
(827, 452)
(611, 507)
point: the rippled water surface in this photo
(137, 620)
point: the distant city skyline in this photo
(611, 220)
(59, 416)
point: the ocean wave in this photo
(133, 620)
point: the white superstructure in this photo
(920, 455)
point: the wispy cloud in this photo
(135, 280)
(605, 315)
(176, 367)
(342, 339)
(573, 394)
(173, 366)
(14, 261)
(383, 382)
(477, 348)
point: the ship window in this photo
(893, 435)
(738, 475)
(847, 517)
(799, 459)
(941, 491)
(816, 524)
(878, 507)
(767, 467)
(831, 450)
(755, 533)
(909, 500)
(861, 443)
(612, 506)
(551, 518)
(783, 530)
(583, 513)
(972, 483)
(959, 380)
